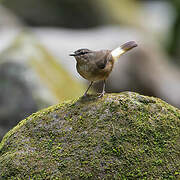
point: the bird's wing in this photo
(102, 59)
(101, 64)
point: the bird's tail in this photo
(116, 53)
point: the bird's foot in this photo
(101, 95)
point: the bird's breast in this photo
(85, 70)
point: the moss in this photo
(120, 136)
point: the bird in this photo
(97, 65)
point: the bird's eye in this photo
(82, 53)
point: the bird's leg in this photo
(88, 88)
(103, 91)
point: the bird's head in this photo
(81, 54)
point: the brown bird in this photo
(97, 65)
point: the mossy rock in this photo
(119, 136)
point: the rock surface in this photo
(120, 136)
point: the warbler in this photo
(97, 65)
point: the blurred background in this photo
(36, 38)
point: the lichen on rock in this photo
(119, 136)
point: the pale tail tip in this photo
(116, 53)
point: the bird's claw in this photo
(101, 95)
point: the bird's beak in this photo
(72, 54)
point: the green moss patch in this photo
(119, 136)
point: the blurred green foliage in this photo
(74, 14)
(174, 44)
